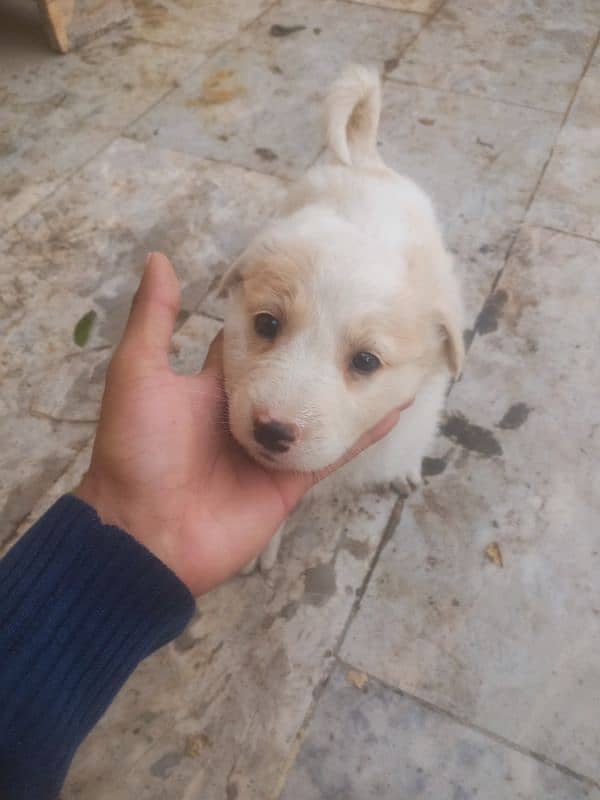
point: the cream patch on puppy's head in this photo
(326, 331)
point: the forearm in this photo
(81, 604)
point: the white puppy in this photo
(344, 307)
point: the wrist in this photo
(115, 508)
(101, 498)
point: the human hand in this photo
(164, 466)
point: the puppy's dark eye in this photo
(365, 363)
(266, 325)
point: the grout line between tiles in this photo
(523, 221)
(562, 124)
(208, 315)
(475, 95)
(386, 8)
(462, 721)
(388, 531)
(565, 233)
(222, 162)
(428, 19)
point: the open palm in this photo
(165, 467)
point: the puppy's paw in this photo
(267, 560)
(268, 557)
(250, 567)
(408, 483)
(413, 477)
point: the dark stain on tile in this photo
(266, 153)
(316, 31)
(165, 765)
(146, 717)
(220, 87)
(289, 610)
(427, 121)
(214, 651)
(195, 745)
(515, 416)
(356, 548)
(390, 64)
(185, 642)
(319, 584)
(433, 466)
(487, 321)
(481, 143)
(285, 30)
(472, 437)
(232, 791)
(182, 316)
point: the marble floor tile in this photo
(258, 101)
(376, 743)
(515, 50)
(35, 452)
(81, 255)
(192, 25)
(486, 600)
(478, 160)
(85, 250)
(569, 195)
(56, 112)
(73, 471)
(215, 715)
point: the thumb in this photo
(154, 307)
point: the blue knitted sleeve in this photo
(81, 604)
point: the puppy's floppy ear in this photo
(448, 321)
(432, 266)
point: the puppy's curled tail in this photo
(353, 108)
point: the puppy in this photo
(344, 307)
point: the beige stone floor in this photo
(476, 680)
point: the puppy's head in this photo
(323, 336)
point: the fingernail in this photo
(148, 258)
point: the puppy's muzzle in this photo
(273, 434)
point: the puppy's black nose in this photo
(273, 434)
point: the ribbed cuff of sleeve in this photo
(81, 604)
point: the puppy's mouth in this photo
(270, 460)
(264, 455)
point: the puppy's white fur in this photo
(353, 262)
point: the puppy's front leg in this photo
(268, 557)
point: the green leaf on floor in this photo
(82, 331)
